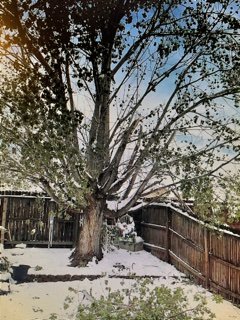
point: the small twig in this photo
(177, 314)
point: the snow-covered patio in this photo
(32, 301)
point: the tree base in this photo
(78, 260)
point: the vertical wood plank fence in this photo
(26, 216)
(209, 256)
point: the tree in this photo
(102, 153)
(216, 198)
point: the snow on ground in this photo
(38, 301)
(56, 261)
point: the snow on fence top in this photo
(210, 255)
(186, 214)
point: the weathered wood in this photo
(27, 219)
(228, 264)
(189, 268)
(4, 219)
(209, 254)
(40, 243)
(188, 241)
(221, 289)
(153, 226)
(212, 257)
(152, 246)
(206, 258)
(22, 196)
(76, 230)
(168, 235)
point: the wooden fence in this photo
(211, 257)
(26, 216)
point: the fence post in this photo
(206, 257)
(76, 228)
(4, 218)
(168, 234)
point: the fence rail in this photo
(211, 257)
(26, 216)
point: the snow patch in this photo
(41, 300)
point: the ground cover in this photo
(60, 299)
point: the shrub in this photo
(142, 303)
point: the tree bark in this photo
(89, 240)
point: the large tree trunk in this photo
(89, 241)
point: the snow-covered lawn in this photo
(38, 301)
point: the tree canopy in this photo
(112, 100)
